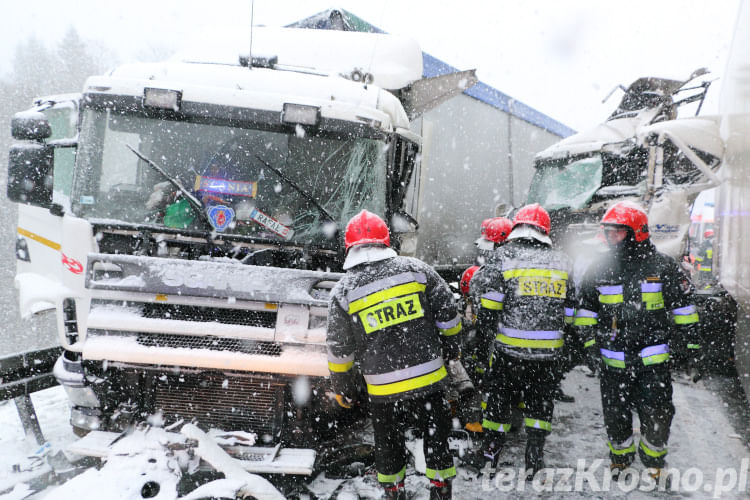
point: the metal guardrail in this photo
(22, 374)
(27, 372)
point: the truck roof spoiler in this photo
(425, 94)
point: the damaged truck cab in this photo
(185, 221)
(643, 152)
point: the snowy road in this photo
(710, 459)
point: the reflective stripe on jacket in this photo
(397, 320)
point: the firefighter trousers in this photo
(513, 380)
(430, 414)
(648, 391)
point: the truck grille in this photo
(246, 346)
(264, 319)
(223, 401)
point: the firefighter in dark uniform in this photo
(525, 296)
(494, 233)
(635, 310)
(396, 318)
(704, 260)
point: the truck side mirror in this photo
(30, 125)
(404, 228)
(30, 174)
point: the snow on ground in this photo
(712, 460)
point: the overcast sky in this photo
(560, 57)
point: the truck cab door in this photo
(40, 263)
(682, 163)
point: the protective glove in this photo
(593, 358)
(344, 402)
(459, 378)
(696, 367)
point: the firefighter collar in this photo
(526, 231)
(367, 253)
(484, 244)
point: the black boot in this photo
(441, 490)
(489, 453)
(395, 491)
(534, 455)
(492, 446)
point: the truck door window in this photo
(63, 120)
(566, 183)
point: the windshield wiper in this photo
(192, 200)
(301, 191)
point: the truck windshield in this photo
(234, 172)
(567, 183)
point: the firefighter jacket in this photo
(526, 296)
(397, 319)
(705, 259)
(635, 307)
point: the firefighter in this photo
(495, 232)
(396, 318)
(632, 305)
(525, 296)
(705, 259)
(492, 233)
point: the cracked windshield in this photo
(263, 184)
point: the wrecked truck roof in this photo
(698, 132)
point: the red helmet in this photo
(708, 233)
(533, 215)
(366, 227)
(466, 278)
(627, 213)
(483, 227)
(498, 229)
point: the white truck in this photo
(185, 221)
(643, 152)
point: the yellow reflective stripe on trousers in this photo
(442, 473)
(340, 367)
(652, 453)
(494, 426)
(378, 297)
(392, 478)
(537, 424)
(621, 451)
(532, 344)
(407, 385)
(545, 273)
